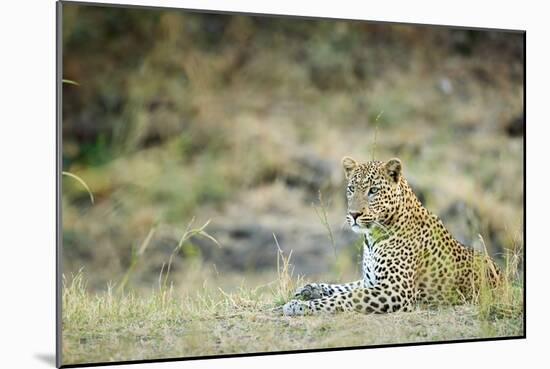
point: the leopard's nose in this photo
(355, 214)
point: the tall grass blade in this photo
(70, 82)
(82, 182)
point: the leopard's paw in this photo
(295, 307)
(310, 291)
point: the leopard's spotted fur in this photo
(408, 255)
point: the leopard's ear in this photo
(349, 165)
(393, 169)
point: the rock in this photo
(251, 246)
(466, 224)
(445, 86)
(463, 222)
(311, 173)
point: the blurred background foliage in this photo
(244, 119)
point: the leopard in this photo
(409, 257)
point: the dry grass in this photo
(109, 327)
(322, 214)
(115, 326)
(506, 299)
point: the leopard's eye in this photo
(373, 190)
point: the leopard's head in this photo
(374, 192)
